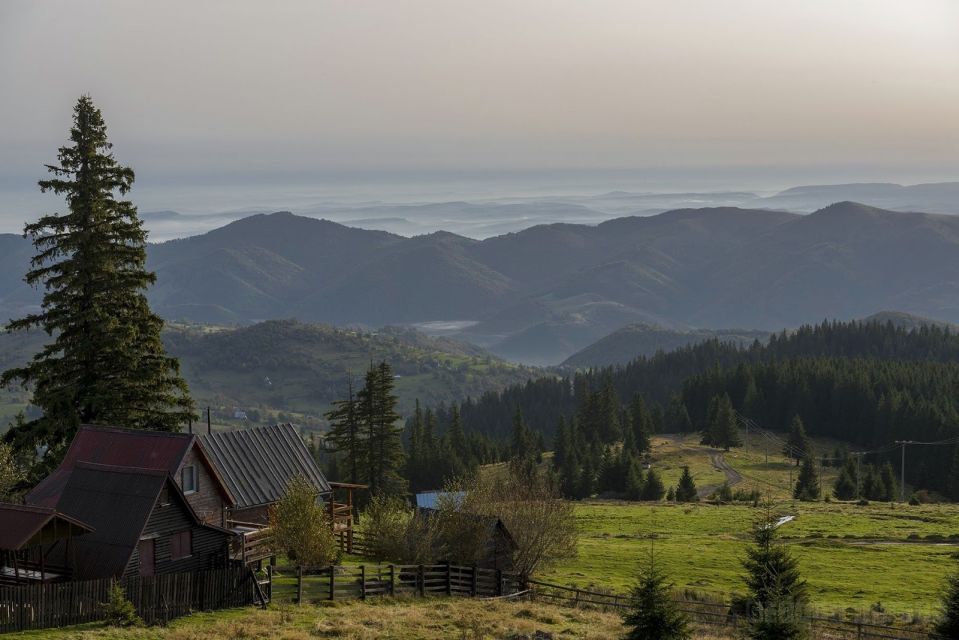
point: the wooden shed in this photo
(29, 536)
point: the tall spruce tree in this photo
(376, 404)
(345, 436)
(105, 363)
(797, 445)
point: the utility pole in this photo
(902, 470)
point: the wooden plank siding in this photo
(169, 517)
(208, 501)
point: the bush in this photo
(301, 528)
(118, 610)
(396, 533)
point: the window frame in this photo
(193, 475)
(177, 545)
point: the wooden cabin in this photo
(256, 464)
(176, 454)
(142, 524)
(29, 536)
(500, 545)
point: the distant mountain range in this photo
(541, 294)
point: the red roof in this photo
(157, 450)
(24, 524)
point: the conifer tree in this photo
(777, 593)
(807, 486)
(890, 486)
(686, 489)
(106, 363)
(344, 435)
(641, 423)
(653, 488)
(376, 404)
(677, 416)
(722, 430)
(948, 623)
(653, 614)
(797, 445)
(845, 486)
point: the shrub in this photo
(395, 533)
(301, 528)
(118, 610)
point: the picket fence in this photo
(157, 599)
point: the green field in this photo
(852, 556)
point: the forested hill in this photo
(292, 368)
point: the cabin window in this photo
(181, 545)
(188, 479)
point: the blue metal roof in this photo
(430, 499)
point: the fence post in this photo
(421, 581)
(332, 582)
(473, 582)
(362, 582)
(576, 601)
(499, 582)
(299, 585)
(858, 631)
(392, 579)
(269, 583)
(449, 580)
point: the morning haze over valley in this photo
(490, 319)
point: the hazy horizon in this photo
(228, 106)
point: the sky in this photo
(257, 93)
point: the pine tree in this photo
(686, 489)
(345, 436)
(376, 405)
(845, 487)
(653, 614)
(777, 593)
(890, 486)
(106, 363)
(723, 430)
(807, 486)
(948, 623)
(653, 488)
(677, 416)
(641, 423)
(797, 445)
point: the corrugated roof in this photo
(430, 499)
(256, 464)
(26, 525)
(117, 502)
(158, 450)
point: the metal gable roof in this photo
(256, 464)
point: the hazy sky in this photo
(275, 88)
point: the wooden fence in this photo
(721, 615)
(157, 599)
(336, 583)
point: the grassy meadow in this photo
(396, 618)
